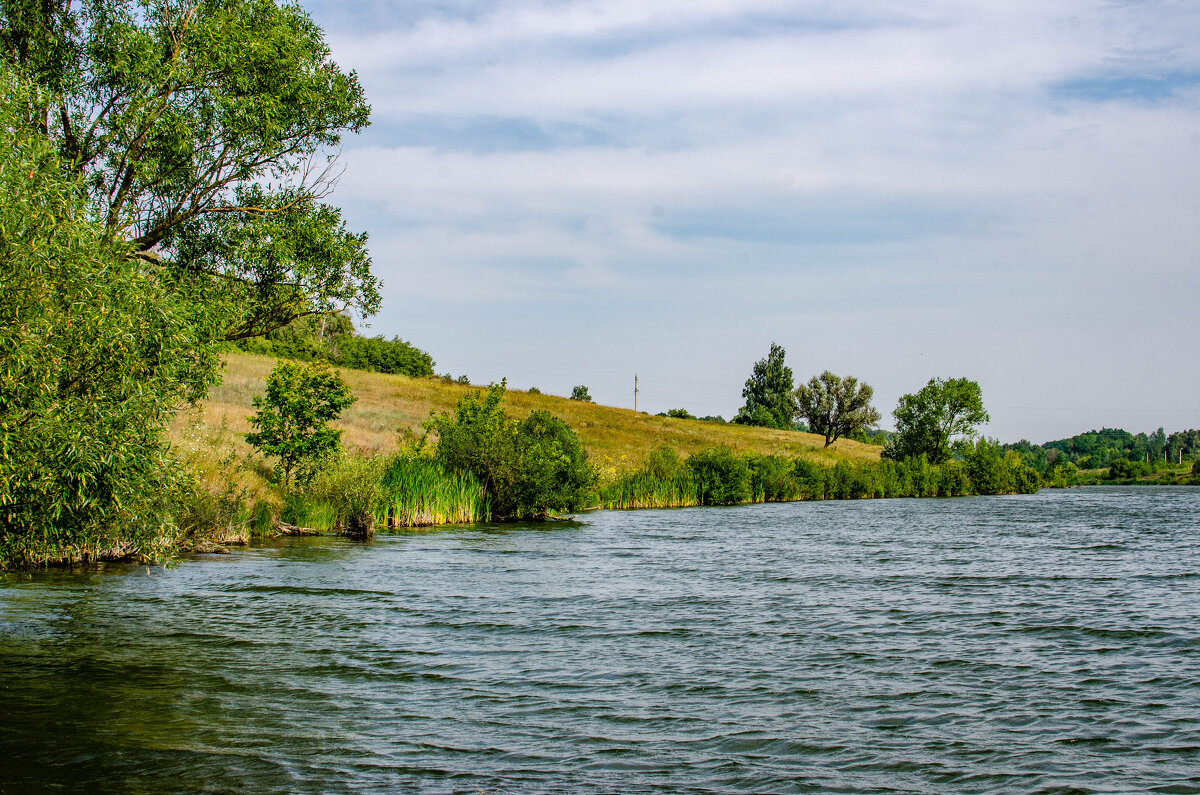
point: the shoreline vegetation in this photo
(387, 475)
(390, 471)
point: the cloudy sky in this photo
(574, 191)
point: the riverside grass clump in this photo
(358, 495)
(420, 493)
(721, 476)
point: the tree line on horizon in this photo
(938, 421)
(930, 422)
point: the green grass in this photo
(420, 494)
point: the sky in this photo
(572, 192)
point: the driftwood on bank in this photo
(286, 529)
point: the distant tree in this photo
(292, 422)
(680, 414)
(770, 401)
(926, 422)
(581, 393)
(836, 406)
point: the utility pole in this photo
(635, 391)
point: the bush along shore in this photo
(720, 476)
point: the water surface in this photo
(1039, 643)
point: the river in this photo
(1036, 643)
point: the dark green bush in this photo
(722, 477)
(528, 469)
(772, 479)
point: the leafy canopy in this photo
(95, 357)
(927, 422)
(768, 393)
(196, 128)
(292, 422)
(836, 406)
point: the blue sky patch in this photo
(1134, 88)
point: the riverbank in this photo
(235, 483)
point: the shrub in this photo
(663, 463)
(581, 393)
(809, 476)
(527, 469)
(722, 477)
(1120, 468)
(381, 355)
(553, 471)
(772, 479)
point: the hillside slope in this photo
(616, 439)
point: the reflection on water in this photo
(1039, 643)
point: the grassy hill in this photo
(616, 439)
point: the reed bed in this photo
(643, 489)
(419, 493)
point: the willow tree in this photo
(928, 421)
(95, 357)
(201, 132)
(836, 406)
(162, 182)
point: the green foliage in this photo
(554, 472)
(663, 482)
(292, 422)
(986, 467)
(770, 402)
(664, 463)
(1124, 469)
(332, 337)
(196, 130)
(528, 468)
(1102, 448)
(382, 356)
(581, 393)
(836, 406)
(772, 479)
(346, 493)
(96, 354)
(722, 477)
(928, 421)
(419, 492)
(679, 414)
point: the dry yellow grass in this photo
(616, 439)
